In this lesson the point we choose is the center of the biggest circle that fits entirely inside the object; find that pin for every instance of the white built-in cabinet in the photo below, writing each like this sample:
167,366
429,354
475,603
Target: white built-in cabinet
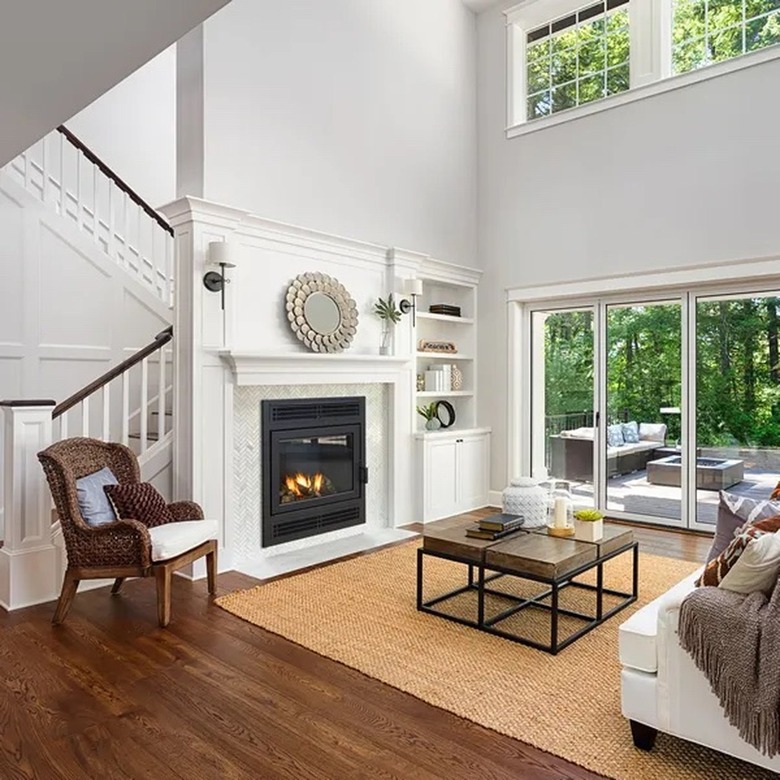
455,475
452,464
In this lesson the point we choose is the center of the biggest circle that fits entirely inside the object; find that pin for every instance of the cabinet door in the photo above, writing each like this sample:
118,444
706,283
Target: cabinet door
440,479
472,472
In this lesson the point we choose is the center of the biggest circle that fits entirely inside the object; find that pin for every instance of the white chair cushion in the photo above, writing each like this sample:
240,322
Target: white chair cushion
639,634
173,539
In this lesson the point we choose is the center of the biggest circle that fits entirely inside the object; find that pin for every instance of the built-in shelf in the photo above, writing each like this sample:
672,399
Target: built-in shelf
426,315
444,394
443,356
444,433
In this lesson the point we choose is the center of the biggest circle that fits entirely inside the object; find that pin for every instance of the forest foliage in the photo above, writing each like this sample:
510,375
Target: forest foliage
737,368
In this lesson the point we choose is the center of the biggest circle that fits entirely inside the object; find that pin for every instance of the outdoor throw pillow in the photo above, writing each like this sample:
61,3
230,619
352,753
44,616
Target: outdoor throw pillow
615,435
757,568
652,432
733,512
715,571
139,501
93,504
631,432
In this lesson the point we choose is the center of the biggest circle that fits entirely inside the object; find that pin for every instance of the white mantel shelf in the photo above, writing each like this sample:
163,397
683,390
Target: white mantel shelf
267,368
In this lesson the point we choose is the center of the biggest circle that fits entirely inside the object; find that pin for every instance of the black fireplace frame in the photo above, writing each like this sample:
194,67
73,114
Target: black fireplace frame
312,417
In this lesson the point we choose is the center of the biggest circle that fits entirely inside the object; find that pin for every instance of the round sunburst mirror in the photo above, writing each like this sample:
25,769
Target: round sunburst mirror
321,312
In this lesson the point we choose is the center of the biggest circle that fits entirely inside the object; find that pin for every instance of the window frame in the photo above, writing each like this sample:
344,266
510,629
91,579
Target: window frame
650,58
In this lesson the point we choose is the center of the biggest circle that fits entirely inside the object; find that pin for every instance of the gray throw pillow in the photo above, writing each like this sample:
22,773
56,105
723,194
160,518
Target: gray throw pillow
733,512
94,505
631,432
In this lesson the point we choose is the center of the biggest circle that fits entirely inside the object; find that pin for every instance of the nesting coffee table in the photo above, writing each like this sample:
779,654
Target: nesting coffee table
528,555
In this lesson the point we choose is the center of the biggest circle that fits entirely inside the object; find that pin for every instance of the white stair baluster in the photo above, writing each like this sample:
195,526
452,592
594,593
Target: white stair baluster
161,396
125,407
85,417
64,425
106,412
144,411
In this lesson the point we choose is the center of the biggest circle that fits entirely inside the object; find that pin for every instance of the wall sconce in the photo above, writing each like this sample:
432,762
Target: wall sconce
413,288
219,253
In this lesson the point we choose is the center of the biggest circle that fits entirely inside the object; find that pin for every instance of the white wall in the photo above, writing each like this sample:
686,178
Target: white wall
56,58
352,117
132,128
682,178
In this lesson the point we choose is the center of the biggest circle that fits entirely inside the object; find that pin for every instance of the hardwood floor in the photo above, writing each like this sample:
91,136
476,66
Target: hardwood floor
110,695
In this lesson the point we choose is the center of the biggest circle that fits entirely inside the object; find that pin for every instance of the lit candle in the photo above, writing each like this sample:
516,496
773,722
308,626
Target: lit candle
559,512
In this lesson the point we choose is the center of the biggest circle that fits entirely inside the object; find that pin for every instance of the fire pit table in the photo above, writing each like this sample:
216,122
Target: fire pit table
711,473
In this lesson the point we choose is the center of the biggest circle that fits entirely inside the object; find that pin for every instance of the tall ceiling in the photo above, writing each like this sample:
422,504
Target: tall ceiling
57,57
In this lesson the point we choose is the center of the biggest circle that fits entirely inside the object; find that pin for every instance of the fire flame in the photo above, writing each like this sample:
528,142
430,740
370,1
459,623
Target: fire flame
302,485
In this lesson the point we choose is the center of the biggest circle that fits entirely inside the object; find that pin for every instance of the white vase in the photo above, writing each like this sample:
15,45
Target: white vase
526,497
588,530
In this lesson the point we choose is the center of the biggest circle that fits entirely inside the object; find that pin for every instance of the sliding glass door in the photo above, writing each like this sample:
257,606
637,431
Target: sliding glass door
650,408
643,466
737,409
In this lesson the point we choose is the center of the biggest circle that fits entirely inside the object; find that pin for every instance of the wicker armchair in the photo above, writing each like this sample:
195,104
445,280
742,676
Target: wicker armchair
119,549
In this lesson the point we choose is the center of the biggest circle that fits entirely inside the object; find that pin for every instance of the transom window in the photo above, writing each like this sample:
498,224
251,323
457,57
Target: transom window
578,58
707,31
567,55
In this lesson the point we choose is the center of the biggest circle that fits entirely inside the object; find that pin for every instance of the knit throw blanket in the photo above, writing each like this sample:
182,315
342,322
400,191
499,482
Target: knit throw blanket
735,641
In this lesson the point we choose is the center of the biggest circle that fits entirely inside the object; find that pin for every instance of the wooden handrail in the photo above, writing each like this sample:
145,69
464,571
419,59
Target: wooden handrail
160,340
126,188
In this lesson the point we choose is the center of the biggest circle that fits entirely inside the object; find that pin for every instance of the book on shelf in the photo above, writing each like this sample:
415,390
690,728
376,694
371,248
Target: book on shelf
501,522
482,533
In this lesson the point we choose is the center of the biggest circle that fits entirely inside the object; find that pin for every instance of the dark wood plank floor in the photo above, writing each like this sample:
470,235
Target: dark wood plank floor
109,695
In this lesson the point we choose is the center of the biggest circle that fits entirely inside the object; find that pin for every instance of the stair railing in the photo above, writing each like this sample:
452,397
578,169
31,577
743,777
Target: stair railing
61,171
98,416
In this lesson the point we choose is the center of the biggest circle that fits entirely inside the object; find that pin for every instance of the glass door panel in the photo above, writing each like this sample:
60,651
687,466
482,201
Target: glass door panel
737,399
562,418
644,458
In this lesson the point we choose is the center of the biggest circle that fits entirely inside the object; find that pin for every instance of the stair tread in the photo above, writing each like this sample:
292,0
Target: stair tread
150,435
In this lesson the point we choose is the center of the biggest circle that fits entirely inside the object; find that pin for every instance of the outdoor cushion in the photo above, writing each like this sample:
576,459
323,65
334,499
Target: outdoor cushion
173,539
652,432
615,435
578,433
631,432
93,504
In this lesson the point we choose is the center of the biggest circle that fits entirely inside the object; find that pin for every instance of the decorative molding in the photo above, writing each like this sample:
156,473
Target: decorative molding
732,271
450,273
257,368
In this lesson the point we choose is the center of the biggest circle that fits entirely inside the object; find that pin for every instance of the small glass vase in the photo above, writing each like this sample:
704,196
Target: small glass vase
387,339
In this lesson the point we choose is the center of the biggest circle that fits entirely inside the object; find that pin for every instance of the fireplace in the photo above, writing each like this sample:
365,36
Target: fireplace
313,467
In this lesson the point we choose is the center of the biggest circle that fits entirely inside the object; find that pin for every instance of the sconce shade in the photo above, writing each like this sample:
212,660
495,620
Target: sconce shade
221,252
413,286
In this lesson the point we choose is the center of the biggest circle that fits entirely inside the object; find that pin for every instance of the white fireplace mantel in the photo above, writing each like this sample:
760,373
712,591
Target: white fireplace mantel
264,368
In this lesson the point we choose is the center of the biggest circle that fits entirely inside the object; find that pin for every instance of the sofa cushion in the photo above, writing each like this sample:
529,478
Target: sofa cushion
637,637
733,512
93,503
652,432
173,539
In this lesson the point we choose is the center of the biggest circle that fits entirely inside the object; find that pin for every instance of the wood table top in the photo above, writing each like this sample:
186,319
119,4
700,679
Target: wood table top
531,551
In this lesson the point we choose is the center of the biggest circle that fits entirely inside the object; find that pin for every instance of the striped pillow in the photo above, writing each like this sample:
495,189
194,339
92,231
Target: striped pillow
719,567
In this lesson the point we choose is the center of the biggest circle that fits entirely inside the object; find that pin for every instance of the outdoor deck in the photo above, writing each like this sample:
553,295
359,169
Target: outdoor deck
633,493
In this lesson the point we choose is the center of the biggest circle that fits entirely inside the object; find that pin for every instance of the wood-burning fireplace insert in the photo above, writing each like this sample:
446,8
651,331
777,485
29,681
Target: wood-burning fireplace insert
313,467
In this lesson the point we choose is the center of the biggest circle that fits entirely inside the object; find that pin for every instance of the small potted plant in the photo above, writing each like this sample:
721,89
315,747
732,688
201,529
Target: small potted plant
432,422
390,315
588,525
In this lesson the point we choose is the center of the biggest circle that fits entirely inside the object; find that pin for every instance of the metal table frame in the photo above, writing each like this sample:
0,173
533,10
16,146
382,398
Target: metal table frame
487,574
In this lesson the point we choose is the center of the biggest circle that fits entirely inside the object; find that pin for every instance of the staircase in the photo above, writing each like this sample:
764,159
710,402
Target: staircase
129,403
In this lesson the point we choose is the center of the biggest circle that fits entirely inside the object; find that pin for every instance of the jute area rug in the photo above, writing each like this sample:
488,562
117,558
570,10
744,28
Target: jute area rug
362,613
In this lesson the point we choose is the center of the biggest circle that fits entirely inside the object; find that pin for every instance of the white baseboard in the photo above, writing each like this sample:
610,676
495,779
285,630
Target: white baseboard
27,577
494,498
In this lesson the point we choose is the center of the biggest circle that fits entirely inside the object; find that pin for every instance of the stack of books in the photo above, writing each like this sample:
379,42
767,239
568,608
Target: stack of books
496,526
444,308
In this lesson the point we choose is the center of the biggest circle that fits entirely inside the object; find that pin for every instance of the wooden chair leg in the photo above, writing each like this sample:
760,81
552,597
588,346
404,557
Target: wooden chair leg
211,569
117,586
70,584
163,576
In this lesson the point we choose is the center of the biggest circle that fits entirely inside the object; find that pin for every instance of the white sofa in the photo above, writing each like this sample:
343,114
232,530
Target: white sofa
662,690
